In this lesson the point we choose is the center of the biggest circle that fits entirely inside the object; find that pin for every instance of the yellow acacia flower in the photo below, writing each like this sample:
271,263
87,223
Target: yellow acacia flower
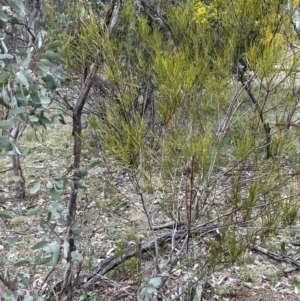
201,14
268,35
204,12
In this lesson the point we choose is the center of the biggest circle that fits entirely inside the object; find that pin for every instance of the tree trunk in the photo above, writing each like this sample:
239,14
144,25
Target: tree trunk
72,205
16,164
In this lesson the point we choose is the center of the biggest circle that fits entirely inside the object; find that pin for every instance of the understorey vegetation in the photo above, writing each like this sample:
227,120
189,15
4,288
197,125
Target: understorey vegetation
147,147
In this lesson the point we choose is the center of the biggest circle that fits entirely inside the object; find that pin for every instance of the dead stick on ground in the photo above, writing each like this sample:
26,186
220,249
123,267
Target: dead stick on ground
113,261
275,256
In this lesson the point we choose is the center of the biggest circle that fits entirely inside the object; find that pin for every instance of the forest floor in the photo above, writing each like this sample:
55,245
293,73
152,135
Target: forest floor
257,277
267,281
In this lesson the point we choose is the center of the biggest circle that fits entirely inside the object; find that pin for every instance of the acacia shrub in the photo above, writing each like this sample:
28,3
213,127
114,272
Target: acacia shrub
209,124
192,115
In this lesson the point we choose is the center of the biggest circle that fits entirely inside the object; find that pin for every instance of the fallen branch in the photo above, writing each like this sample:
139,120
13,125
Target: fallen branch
170,225
276,256
115,260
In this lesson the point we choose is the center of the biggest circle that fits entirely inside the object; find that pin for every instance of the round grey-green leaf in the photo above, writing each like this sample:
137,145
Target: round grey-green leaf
52,56
3,16
59,184
16,111
81,184
17,4
16,178
59,207
13,241
51,248
21,263
33,211
35,98
35,188
56,44
22,79
82,171
76,256
33,118
39,245
5,216
47,63
6,55
4,76
49,79
55,258
156,281
143,292
6,124
49,185
25,63
4,142
45,100
76,229
54,194
151,290
42,67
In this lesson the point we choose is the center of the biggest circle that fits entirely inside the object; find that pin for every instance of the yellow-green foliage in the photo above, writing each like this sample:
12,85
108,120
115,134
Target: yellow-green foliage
252,30
83,34
205,125
193,81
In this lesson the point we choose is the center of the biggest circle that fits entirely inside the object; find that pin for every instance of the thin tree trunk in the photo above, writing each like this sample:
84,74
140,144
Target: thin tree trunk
72,205
16,164
15,132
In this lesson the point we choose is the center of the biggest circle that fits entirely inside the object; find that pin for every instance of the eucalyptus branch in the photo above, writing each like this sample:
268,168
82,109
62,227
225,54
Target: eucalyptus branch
31,20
